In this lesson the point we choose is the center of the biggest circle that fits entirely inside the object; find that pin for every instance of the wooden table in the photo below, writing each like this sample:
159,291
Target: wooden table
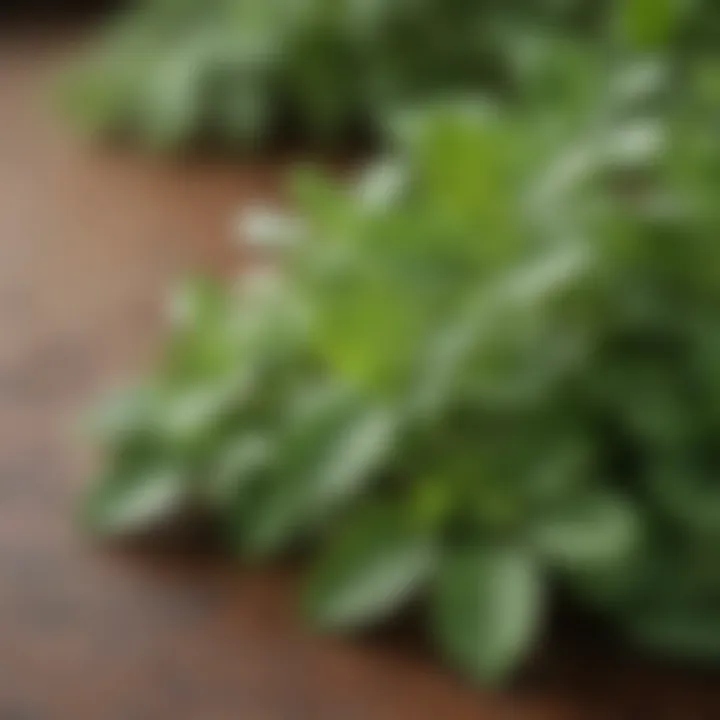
89,242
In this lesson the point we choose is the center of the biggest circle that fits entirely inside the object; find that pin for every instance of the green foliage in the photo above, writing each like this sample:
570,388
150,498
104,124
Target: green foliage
374,567
247,73
488,608
488,367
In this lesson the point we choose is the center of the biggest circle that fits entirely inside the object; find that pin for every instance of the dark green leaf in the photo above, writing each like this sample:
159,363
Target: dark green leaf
370,570
487,609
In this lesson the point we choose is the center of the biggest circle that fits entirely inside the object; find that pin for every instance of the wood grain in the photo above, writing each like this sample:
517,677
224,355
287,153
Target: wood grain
89,242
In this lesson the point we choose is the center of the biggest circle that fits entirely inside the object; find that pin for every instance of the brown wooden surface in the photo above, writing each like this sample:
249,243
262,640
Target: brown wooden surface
88,244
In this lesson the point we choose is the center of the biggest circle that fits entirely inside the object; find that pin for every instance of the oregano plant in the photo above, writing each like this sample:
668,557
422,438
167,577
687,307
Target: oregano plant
485,368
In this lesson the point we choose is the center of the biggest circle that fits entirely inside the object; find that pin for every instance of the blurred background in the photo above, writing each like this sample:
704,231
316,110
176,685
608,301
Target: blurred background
91,238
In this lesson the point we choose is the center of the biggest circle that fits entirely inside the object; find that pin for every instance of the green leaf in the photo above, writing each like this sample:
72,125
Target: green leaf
595,530
171,107
487,609
126,505
371,570
328,459
239,467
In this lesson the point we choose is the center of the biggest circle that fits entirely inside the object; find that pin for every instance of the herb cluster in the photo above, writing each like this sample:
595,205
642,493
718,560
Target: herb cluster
247,74
487,368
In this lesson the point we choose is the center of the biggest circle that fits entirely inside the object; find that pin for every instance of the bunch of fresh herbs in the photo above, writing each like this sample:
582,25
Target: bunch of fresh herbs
487,368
